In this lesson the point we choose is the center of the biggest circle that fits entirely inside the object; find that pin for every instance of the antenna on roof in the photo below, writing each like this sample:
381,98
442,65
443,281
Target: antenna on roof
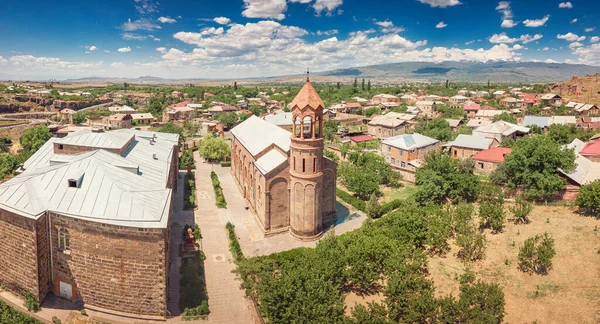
307,74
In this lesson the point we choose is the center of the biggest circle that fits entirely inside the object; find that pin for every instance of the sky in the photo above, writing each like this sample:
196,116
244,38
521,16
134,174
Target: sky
41,39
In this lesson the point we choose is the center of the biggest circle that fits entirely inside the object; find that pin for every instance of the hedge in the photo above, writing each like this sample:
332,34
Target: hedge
226,164
9,315
390,206
189,193
355,202
193,295
234,244
221,203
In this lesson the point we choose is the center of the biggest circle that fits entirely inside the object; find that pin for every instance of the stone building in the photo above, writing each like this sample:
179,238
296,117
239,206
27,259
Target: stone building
465,146
284,177
487,161
390,124
405,153
89,220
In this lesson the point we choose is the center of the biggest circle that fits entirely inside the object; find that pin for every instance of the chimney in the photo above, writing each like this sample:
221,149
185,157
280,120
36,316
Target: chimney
154,137
151,142
154,156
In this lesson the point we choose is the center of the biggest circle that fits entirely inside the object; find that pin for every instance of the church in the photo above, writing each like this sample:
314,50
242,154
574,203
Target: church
287,182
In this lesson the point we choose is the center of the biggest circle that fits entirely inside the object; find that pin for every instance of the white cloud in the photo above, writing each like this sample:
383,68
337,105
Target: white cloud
565,5
470,42
222,20
441,24
49,65
545,49
570,37
117,64
130,36
388,27
517,47
588,55
441,3
550,61
156,39
574,20
327,32
536,22
106,51
145,7
167,20
502,38
265,9
574,45
140,24
3,60
212,31
508,23
504,8
594,39
92,48
124,49
162,50
326,5
589,30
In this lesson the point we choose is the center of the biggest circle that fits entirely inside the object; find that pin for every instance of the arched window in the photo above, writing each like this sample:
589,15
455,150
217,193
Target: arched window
314,164
63,240
303,165
307,127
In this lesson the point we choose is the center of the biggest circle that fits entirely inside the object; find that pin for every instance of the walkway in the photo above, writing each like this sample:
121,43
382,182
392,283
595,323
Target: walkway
226,299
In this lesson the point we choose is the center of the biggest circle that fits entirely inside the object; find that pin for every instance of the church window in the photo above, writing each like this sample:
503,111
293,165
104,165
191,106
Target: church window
63,240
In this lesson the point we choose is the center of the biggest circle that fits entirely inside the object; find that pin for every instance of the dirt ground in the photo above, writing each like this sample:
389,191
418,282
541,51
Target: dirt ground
570,293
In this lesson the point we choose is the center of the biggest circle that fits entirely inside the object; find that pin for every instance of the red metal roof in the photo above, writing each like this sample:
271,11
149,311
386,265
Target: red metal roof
494,154
353,105
471,106
591,149
361,138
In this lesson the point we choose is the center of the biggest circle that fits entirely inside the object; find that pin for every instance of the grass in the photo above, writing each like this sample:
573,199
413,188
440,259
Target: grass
543,291
193,294
403,192
9,315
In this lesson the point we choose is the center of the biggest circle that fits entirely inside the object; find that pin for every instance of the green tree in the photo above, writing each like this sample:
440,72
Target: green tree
510,118
442,178
588,199
186,158
8,164
5,143
361,183
521,211
257,110
479,302
438,128
533,165
228,119
171,128
562,134
78,118
235,86
214,148
372,111
536,254
369,85
373,207
491,213
472,244
409,298
32,139
363,85
331,155
355,82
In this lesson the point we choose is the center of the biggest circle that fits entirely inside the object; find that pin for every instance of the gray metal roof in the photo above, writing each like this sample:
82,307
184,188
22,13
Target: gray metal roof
256,135
585,172
92,139
471,141
410,141
127,190
536,121
270,161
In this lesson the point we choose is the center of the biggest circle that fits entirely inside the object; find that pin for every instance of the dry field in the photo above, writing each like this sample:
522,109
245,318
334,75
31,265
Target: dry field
570,293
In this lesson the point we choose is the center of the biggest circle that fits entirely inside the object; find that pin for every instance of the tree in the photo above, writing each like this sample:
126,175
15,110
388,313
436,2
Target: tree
331,155
372,111
491,213
5,143
536,254
32,139
409,298
214,148
186,158
472,244
363,85
338,85
8,164
355,82
562,134
442,178
438,128
228,119
78,118
361,183
369,85
373,207
330,127
171,128
521,210
257,110
533,165
479,302
588,199
235,86
509,118
191,127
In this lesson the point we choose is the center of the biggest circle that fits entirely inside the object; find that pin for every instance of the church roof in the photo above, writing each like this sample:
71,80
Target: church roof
256,134
307,96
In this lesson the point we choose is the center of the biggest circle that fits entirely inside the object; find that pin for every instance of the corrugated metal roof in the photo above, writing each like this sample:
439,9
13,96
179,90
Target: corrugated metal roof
536,121
270,161
88,138
256,135
471,141
410,141
585,171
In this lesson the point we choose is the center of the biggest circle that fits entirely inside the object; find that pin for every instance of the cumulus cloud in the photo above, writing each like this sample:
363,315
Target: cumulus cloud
117,64
326,5
388,27
504,8
327,32
167,20
545,48
50,64
502,38
3,60
441,3
589,30
470,42
140,24
265,9
441,24
124,49
594,39
222,20
575,45
574,21
508,23
565,5
536,22
156,39
517,47
550,61
570,37
588,55
162,50
130,36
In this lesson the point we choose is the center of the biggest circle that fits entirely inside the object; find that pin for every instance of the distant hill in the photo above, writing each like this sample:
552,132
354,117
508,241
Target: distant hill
509,72
585,89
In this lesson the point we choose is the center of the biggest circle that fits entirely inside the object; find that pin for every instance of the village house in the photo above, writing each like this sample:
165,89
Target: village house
287,182
426,108
499,94
88,220
117,121
471,108
353,107
551,99
586,171
405,153
487,161
390,124
121,109
381,98
458,101
591,151
500,130
178,111
475,123
355,140
221,108
488,114
545,122
465,146
527,100
584,109
66,115
454,123
143,119
510,102
410,98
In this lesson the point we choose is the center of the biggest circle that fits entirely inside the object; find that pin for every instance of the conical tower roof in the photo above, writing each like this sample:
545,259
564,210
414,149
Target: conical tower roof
308,96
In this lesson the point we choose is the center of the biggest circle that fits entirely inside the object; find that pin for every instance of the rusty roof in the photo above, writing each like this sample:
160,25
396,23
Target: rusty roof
307,96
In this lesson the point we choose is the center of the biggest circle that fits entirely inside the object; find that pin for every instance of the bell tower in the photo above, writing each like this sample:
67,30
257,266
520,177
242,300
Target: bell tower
306,157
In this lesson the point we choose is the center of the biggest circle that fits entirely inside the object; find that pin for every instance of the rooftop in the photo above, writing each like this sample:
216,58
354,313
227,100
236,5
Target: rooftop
256,135
307,96
494,154
410,141
471,141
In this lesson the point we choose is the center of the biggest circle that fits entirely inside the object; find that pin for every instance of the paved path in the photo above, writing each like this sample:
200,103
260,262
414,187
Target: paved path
226,299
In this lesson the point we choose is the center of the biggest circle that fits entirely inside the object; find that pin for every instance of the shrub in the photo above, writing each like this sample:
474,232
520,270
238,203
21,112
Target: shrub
193,294
521,211
390,206
355,202
220,198
56,320
31,302
196,232
190,191
187,158
234,244
9,315
588,199
536,254
226,164
472,245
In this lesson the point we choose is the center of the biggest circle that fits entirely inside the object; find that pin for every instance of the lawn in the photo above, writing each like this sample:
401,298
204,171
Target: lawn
568,294
403,192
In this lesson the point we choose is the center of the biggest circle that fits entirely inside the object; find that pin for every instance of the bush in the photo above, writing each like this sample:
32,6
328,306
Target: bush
588,199
56,320
226,164
234,244
9,315
472,245
193,294
390,206
196,232
521,211
355,202
187,158
190,191
221,203
536,254
31,302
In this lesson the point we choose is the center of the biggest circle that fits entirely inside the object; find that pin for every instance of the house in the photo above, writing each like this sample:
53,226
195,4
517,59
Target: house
285,179
177,112
487,161
527,100
510,102
591,151
586,171
426,108
458,100
143,119
488,114
66,115
544,122
360,100
338,108
499,94
474,123
431,98
93,221
360,139
586,109
471,108
454,123
465,146
390,124
221,108
405,153
500,130
409,98
464,92
118,121
380,98
551,99
121,109
353,107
